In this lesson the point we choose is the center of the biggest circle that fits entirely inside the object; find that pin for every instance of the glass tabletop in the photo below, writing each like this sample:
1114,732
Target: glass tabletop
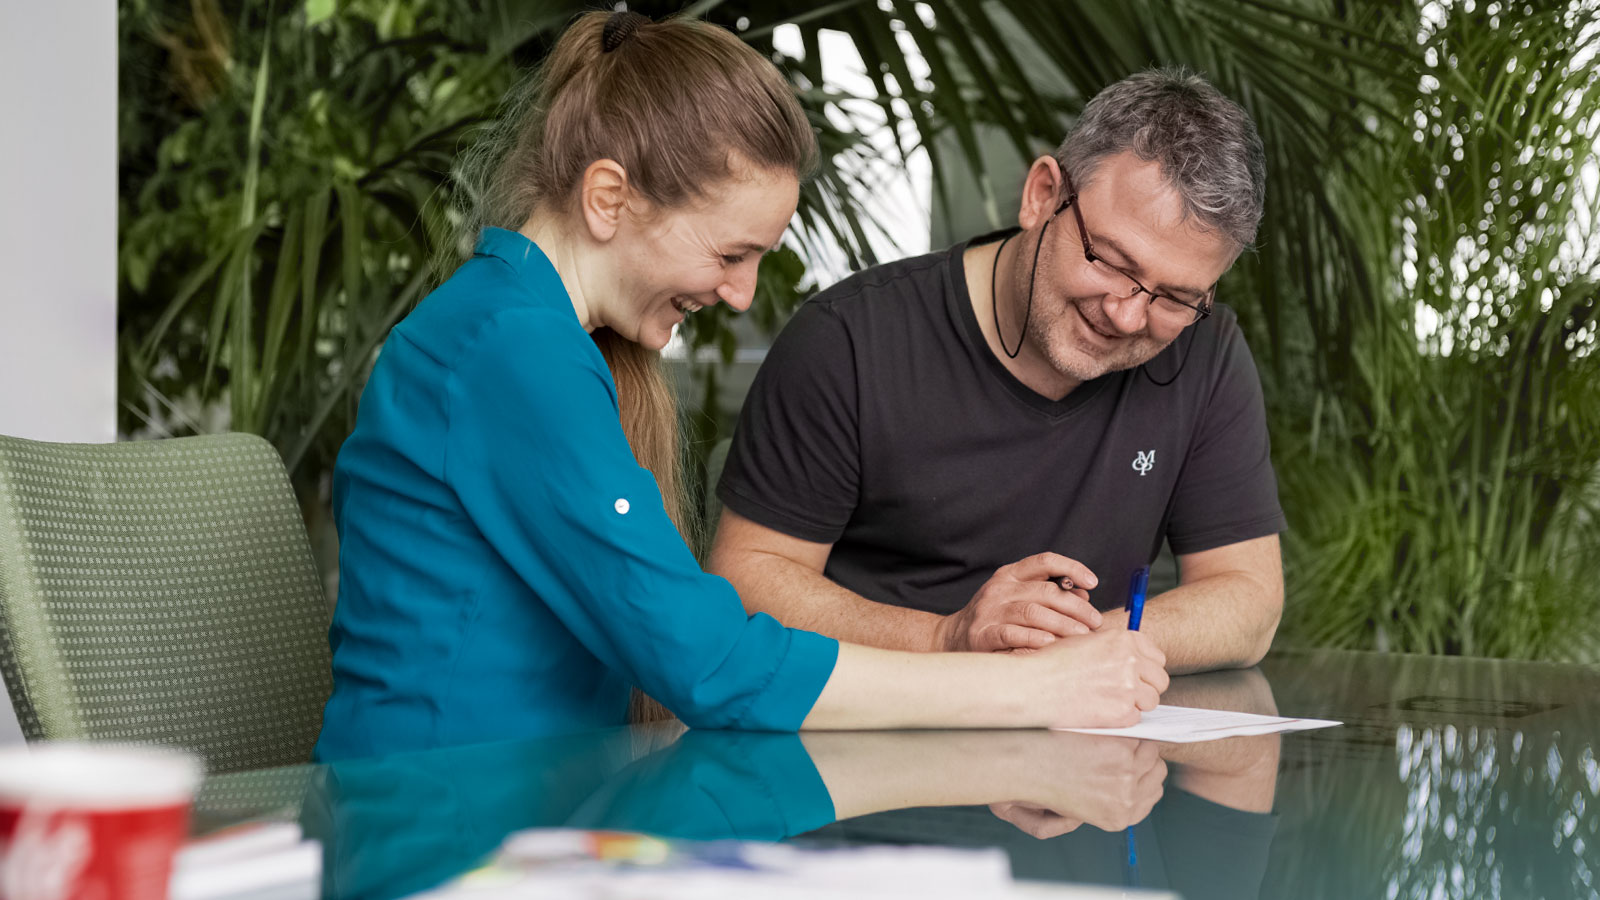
1451,777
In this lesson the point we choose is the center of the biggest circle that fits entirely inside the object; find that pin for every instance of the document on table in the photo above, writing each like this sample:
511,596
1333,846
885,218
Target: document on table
1187,725
592,865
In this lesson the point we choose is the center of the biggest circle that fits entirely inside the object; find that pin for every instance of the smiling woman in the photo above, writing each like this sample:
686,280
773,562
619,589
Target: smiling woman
508,568
625,114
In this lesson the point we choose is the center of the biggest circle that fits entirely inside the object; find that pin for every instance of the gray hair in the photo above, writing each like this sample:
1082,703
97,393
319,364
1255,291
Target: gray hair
1206,145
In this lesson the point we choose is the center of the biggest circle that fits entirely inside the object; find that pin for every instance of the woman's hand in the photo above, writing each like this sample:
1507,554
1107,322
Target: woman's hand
1108,782
1105,679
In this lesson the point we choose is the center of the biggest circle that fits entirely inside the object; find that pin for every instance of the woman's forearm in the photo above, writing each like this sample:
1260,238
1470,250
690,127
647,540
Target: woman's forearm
868,772
886,689
1101,679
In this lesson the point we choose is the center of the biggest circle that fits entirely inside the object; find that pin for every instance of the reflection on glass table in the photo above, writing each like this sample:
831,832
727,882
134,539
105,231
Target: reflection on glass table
1452,777
1197,814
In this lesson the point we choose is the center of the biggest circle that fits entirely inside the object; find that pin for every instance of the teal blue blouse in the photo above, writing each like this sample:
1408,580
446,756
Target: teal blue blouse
507,569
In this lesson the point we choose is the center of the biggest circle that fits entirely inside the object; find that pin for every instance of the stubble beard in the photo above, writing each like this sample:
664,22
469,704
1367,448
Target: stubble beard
1053,331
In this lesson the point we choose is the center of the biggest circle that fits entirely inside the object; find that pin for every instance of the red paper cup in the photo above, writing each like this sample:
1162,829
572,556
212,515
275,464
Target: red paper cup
92,822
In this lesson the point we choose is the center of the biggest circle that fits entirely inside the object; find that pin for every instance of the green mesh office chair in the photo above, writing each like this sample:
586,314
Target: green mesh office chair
161,592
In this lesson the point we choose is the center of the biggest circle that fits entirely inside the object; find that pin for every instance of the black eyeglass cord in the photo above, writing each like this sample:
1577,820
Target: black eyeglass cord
1175,375
994,304
994,295
994,300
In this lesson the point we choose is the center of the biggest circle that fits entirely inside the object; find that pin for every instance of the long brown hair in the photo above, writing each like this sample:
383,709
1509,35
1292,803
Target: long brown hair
677,103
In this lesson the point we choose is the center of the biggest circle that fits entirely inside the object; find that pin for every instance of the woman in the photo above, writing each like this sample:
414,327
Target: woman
508,565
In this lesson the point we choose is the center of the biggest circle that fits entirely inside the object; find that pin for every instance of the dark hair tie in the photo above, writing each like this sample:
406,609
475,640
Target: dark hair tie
620,27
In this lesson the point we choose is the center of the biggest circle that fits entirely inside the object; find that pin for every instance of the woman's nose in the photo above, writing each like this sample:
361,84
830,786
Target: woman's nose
740,288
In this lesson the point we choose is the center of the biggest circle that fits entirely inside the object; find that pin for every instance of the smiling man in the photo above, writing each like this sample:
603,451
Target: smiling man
975,449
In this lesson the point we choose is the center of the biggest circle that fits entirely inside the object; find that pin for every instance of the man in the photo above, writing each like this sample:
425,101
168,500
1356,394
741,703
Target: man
1069,394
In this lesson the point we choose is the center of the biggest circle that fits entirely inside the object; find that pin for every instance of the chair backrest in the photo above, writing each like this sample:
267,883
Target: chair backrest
161,592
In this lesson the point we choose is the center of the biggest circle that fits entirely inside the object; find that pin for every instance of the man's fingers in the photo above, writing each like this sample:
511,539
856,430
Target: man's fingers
1045,566
1073,603
1045,825
1036,822
1053,620
1022,637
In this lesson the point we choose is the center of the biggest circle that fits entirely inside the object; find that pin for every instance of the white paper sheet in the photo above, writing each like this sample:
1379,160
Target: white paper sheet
1187,725
260,860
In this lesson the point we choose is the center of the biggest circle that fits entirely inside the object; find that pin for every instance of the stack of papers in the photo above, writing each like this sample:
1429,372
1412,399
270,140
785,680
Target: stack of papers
568,864
1187,725
254,861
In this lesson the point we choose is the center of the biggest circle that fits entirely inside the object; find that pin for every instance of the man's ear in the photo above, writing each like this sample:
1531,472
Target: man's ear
1041,192
603,198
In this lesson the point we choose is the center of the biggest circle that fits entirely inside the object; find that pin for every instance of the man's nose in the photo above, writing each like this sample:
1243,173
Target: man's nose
1128,313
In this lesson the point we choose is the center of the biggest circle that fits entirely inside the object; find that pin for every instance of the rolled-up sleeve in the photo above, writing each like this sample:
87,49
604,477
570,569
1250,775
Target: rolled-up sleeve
537,457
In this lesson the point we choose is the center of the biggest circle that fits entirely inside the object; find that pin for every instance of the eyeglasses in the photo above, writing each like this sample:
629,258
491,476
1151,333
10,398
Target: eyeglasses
1165,305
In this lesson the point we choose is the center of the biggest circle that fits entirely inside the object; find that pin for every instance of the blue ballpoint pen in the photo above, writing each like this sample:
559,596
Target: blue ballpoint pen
1136,588
1137,585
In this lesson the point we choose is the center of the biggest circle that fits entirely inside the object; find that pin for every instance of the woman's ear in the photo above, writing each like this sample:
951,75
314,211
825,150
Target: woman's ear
1041,192
603,198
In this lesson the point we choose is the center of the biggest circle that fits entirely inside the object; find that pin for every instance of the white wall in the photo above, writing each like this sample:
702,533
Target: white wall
58,226
58,219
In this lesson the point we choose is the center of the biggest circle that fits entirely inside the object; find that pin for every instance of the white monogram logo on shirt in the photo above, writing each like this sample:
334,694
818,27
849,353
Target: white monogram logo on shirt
1144,461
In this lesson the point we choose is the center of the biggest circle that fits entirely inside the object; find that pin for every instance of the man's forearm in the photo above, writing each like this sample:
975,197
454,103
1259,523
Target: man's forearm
801,597
1238,690
1225,621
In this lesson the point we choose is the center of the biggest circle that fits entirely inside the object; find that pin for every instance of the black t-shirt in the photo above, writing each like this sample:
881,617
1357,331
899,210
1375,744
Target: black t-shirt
882,423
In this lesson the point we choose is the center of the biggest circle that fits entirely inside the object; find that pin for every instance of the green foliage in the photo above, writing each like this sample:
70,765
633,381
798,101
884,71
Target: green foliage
296,201
289,216
1422,301
1443,480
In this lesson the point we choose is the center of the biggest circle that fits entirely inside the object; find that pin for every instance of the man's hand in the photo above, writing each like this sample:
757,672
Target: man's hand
1023,606
1036,821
